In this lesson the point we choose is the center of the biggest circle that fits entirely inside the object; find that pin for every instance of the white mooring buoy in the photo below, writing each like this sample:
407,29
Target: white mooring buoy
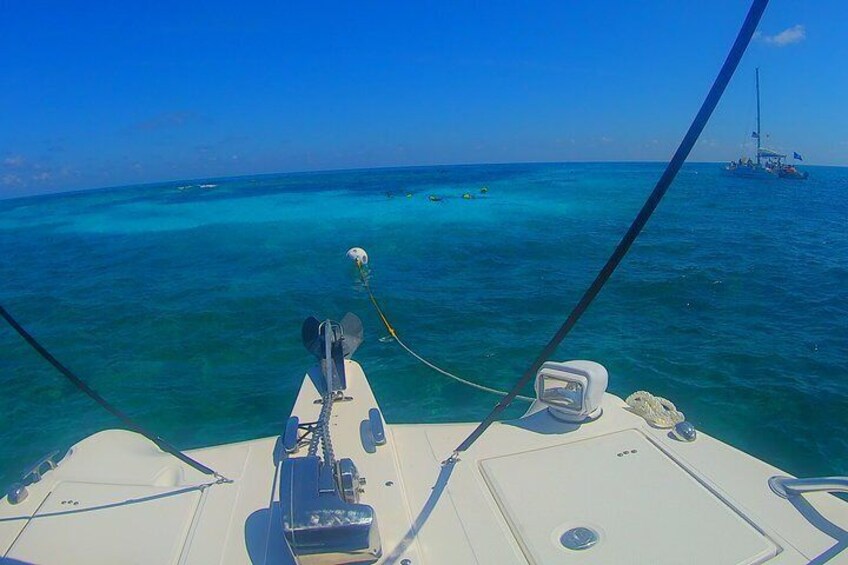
357,255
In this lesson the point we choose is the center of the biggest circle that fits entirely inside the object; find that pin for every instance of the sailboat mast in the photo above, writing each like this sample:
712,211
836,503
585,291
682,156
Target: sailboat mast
758,115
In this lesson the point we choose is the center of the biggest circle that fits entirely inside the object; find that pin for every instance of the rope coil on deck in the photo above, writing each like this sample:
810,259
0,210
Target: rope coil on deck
659,412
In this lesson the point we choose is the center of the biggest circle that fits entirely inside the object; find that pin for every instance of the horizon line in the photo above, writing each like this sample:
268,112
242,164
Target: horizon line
356,169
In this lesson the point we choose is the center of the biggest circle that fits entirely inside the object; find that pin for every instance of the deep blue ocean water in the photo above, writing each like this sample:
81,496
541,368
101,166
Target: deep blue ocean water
184,306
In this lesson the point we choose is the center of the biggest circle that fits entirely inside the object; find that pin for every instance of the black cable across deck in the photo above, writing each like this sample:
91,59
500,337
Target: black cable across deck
106,405
742,40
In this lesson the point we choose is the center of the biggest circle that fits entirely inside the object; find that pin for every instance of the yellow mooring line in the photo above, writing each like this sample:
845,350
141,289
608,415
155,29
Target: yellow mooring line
400,342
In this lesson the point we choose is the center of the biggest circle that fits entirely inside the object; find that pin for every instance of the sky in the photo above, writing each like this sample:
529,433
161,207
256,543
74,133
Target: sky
106,94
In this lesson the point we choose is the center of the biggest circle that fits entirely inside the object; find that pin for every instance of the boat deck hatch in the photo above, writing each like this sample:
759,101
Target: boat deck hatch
617,498
103,523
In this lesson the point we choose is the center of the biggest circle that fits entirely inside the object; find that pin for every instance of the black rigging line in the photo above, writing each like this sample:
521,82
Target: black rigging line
94,395
712,99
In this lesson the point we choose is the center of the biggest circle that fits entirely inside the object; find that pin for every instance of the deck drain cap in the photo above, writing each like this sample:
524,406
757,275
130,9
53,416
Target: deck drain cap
579,538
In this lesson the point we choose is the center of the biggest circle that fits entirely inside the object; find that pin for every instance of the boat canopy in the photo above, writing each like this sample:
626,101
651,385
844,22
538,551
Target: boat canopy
763,152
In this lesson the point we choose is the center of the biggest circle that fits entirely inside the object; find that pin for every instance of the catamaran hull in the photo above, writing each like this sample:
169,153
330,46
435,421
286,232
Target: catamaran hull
751,173
797,175
531,490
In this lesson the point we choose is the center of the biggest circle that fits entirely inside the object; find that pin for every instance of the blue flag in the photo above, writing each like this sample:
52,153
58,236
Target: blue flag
797,156
754,134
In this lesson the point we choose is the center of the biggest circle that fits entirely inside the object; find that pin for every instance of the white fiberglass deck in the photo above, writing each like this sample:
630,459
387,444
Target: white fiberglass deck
116,498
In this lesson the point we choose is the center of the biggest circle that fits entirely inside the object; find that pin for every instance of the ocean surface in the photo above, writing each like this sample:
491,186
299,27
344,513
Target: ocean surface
184,306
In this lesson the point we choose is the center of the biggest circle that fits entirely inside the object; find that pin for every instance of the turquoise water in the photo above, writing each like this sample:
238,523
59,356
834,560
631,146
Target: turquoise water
184,307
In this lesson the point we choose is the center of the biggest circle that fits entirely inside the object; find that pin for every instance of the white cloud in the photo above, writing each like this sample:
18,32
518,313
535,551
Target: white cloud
11,180
14,161
788,36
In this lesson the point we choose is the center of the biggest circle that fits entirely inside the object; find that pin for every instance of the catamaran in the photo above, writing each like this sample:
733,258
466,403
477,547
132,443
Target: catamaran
769,164
582,477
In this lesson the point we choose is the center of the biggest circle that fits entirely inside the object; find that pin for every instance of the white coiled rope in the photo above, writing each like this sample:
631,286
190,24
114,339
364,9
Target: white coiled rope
657,411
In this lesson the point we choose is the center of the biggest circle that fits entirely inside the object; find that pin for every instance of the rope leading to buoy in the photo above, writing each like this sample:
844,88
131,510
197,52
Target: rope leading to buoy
392,332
